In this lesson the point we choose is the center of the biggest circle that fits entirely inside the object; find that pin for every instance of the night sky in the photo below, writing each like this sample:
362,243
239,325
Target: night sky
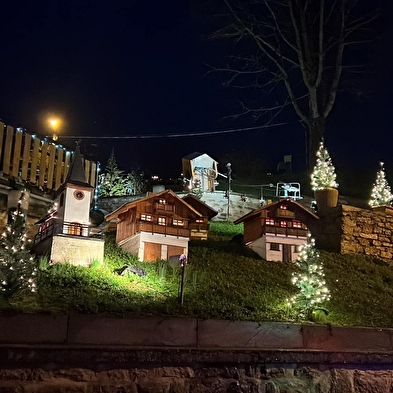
138,68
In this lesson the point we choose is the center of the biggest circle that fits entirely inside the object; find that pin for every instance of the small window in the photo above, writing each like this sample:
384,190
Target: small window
283,224
298,248
179,223
146,217
199,221
162,201
284,207
296,224
161,221
75,229
269,221
275,246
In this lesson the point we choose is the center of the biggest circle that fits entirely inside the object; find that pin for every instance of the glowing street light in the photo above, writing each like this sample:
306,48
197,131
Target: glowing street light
54,125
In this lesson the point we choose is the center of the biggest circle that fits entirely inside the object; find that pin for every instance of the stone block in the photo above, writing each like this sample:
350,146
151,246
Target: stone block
33,329
327,338
153,331
227,334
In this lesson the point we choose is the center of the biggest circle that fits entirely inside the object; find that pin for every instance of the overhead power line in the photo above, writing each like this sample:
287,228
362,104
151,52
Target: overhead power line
175,135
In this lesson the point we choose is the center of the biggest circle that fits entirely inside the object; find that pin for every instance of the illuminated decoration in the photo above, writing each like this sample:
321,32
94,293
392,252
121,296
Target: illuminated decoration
196,189
54,124
310,280
324,173
97,189
17,265
381,194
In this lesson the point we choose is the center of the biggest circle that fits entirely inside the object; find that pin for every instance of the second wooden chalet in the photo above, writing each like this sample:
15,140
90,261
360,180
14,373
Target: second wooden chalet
276,231
156,227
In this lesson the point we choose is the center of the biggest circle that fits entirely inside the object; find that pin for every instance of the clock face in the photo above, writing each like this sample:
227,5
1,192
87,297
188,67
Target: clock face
78,194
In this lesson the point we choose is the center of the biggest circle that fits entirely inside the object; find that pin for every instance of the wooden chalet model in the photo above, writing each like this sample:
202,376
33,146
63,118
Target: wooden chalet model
276,231
158,226
65,234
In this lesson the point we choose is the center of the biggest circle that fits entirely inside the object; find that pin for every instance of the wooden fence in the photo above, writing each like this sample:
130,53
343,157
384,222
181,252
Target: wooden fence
36,162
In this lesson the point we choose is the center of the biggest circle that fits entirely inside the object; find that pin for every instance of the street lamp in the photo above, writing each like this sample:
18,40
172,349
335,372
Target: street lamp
54,124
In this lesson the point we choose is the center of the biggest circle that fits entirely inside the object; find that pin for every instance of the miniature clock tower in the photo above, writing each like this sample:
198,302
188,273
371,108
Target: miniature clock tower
64,234
74,198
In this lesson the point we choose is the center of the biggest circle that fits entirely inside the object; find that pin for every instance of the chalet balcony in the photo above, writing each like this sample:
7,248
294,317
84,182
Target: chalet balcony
178,231
278,231
56,227
199,227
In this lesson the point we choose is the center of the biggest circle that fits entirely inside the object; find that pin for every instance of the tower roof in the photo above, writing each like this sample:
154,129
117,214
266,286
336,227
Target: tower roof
76,174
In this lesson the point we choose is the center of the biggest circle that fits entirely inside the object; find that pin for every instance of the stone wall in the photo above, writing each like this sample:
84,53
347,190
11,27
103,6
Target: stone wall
216,200
92,354
198,378
347,229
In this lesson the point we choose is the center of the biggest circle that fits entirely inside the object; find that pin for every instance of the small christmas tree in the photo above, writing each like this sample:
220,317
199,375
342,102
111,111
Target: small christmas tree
112,181
310,280
381,194
17,265
324,175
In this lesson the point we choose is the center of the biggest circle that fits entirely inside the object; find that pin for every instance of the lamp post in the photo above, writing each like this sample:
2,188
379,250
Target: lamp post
183,264
54,124
229,173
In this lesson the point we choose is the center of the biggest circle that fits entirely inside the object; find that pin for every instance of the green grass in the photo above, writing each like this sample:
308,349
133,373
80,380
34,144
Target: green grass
224,280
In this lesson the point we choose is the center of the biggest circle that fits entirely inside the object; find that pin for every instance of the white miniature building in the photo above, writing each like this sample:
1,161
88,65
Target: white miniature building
64,234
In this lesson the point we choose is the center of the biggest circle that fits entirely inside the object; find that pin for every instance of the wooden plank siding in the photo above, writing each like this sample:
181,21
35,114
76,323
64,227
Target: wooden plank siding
35,162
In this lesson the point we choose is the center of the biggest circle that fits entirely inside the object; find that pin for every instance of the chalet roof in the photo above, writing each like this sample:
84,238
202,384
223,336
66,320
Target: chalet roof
290,202
196,202
129,205
196,154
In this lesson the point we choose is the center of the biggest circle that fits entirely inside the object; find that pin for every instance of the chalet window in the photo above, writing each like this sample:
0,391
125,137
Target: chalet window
296,224
161,204
269,221
283,224
284,207
146,217
161,221
179,223
199,221
75,229
275,246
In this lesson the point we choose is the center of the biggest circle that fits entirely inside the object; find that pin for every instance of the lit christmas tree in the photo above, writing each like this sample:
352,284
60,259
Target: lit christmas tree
17,265
310,280
381,194
324,175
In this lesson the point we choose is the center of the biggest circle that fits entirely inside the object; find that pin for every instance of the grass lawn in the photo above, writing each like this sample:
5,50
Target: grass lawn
224,280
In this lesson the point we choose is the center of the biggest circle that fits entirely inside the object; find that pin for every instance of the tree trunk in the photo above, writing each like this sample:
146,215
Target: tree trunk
316,131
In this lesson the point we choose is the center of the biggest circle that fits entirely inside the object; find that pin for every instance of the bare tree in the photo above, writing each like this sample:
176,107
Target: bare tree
296,44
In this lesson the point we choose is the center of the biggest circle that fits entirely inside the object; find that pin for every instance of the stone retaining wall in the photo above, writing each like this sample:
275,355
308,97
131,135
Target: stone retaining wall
90,354
347,229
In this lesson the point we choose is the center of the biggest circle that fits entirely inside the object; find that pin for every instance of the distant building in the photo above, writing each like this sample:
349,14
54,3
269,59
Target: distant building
200,170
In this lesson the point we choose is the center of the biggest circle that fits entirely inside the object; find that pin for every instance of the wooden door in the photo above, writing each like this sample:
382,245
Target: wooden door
287,253
174,250
152,252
